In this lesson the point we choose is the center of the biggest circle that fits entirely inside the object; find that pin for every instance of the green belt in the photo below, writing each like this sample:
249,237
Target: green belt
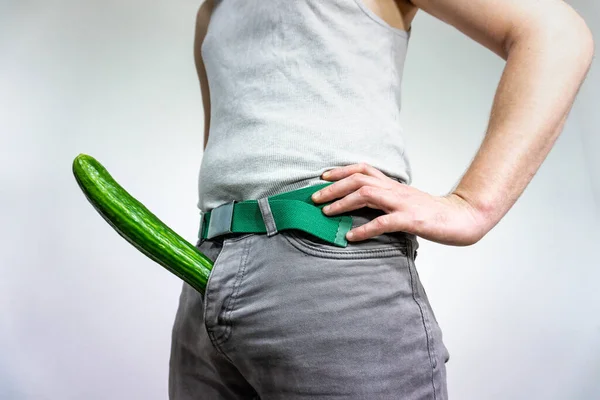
290,210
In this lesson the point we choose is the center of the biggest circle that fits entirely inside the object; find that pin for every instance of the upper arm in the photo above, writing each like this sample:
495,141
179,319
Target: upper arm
496,24
202,20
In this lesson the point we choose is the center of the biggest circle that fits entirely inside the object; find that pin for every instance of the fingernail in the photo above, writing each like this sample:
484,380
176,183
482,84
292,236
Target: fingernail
316,195
326,208
326,174
350,235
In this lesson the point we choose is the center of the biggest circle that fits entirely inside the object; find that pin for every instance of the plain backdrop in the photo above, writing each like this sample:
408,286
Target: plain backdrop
84,315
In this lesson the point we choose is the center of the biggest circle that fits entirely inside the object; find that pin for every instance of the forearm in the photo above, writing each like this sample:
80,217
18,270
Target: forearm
543,73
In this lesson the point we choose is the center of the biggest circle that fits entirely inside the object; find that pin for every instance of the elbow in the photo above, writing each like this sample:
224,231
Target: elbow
579,39
589,45
567,31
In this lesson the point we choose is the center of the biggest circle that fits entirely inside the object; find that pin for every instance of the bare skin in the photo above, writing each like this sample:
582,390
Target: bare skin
548,49
397,13
202,20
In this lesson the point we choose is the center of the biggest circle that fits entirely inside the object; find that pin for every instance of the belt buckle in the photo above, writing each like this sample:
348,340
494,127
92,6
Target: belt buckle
221,218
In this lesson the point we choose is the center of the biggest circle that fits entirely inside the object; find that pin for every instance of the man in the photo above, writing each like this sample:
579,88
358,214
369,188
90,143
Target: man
306,301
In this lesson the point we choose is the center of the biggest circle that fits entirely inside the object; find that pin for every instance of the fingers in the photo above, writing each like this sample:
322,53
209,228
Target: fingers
375,227
366,196
394,222
344,187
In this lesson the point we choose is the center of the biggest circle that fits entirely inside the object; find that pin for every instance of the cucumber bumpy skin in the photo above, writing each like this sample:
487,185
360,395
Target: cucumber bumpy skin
139,226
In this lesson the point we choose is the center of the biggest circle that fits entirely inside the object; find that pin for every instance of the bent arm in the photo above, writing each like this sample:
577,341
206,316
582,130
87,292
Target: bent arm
549,50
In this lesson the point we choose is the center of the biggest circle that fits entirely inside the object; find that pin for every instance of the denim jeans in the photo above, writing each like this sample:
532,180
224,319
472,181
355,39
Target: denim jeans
294,317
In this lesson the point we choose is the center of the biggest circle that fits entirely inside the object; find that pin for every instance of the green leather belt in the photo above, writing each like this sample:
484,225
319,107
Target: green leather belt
289,210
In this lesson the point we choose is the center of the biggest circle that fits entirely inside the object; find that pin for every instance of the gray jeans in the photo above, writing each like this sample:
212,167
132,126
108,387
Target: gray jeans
291,316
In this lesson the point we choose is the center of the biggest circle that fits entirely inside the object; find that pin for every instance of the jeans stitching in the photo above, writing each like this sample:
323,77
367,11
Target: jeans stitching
233,298
386,251
425,320
206,300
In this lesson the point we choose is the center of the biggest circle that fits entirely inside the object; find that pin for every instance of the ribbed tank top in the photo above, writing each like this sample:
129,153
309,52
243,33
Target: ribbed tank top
298,87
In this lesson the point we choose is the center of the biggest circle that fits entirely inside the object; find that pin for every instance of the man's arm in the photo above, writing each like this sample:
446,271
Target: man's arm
202,20
549,50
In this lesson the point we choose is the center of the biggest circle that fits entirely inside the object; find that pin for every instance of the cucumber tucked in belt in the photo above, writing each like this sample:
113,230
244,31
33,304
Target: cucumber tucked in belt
139,226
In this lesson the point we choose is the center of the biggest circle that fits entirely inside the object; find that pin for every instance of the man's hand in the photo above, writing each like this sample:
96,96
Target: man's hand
449,219
548,49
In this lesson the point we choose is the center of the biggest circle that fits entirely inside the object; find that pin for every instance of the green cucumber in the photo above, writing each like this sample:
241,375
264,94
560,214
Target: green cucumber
139,226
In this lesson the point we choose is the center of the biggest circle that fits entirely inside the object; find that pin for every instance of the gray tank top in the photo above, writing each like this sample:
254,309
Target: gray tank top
296,88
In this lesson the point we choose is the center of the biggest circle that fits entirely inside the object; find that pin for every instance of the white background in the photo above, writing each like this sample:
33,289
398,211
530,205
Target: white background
84,315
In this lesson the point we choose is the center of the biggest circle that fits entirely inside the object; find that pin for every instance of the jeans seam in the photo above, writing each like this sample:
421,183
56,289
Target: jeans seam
217,345
220,350
206,300
425,320
233,298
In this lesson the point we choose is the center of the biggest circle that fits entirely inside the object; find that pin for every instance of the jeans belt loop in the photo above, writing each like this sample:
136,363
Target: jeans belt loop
267,214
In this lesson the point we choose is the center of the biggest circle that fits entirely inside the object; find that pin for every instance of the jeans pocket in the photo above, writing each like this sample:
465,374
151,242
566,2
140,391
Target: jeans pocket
381,246
237,236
